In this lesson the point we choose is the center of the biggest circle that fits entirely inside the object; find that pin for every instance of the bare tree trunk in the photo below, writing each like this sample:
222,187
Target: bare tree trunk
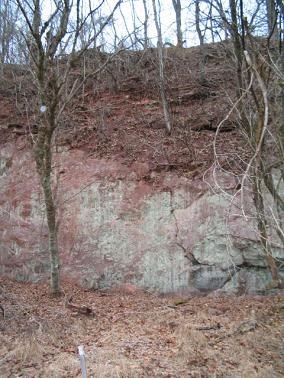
258,140
177,8
8,20
126,28
43,157
237,44
201,41
133,14
226,25
281,84
52,236
271,19
145,25
262,225
161,71
49,101
211,23
44,42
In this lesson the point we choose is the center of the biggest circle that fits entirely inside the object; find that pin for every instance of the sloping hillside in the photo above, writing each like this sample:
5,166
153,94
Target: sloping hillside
117,114
133,203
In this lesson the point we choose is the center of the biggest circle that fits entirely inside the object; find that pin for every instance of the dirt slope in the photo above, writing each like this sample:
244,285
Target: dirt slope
118,115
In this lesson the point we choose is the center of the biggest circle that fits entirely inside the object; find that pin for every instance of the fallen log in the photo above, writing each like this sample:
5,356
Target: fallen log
84,310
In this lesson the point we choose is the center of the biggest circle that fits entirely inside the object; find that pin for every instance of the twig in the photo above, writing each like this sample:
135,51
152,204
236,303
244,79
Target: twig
2,311
243,327
208,328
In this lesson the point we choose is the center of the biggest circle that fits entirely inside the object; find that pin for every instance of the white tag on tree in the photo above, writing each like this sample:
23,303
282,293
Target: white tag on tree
42,108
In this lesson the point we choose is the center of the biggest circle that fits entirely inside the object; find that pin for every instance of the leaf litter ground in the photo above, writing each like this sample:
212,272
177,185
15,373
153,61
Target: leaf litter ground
139,334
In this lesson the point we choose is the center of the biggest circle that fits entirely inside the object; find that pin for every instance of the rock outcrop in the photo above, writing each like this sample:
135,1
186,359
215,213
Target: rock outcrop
117,225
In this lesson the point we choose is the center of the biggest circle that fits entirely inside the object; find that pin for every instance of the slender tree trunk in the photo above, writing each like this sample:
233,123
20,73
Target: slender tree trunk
145,25
211,23
161,72
225,23
177,8
281,84
271,19
52,234
126,28
258,135
237,45
43,158
133,14
201,41
262,225
44,42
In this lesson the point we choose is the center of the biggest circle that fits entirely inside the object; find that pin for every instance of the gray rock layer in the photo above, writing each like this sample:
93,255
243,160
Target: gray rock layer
115,227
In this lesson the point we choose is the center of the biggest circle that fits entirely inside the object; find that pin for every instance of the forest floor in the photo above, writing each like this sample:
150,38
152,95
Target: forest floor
130,333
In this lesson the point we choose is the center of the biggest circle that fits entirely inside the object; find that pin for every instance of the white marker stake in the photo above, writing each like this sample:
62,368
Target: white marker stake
82,361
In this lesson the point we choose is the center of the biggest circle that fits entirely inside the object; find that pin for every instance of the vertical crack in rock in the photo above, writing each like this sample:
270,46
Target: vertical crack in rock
187,252
195,265
231,275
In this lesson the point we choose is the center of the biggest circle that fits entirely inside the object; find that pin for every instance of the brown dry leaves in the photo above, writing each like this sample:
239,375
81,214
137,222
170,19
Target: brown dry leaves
138,335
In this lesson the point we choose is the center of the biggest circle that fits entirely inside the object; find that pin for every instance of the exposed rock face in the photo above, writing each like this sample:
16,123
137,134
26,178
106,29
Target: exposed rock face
117,226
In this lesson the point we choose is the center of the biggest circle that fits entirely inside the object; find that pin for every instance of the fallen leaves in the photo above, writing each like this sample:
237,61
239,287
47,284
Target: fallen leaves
137,335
